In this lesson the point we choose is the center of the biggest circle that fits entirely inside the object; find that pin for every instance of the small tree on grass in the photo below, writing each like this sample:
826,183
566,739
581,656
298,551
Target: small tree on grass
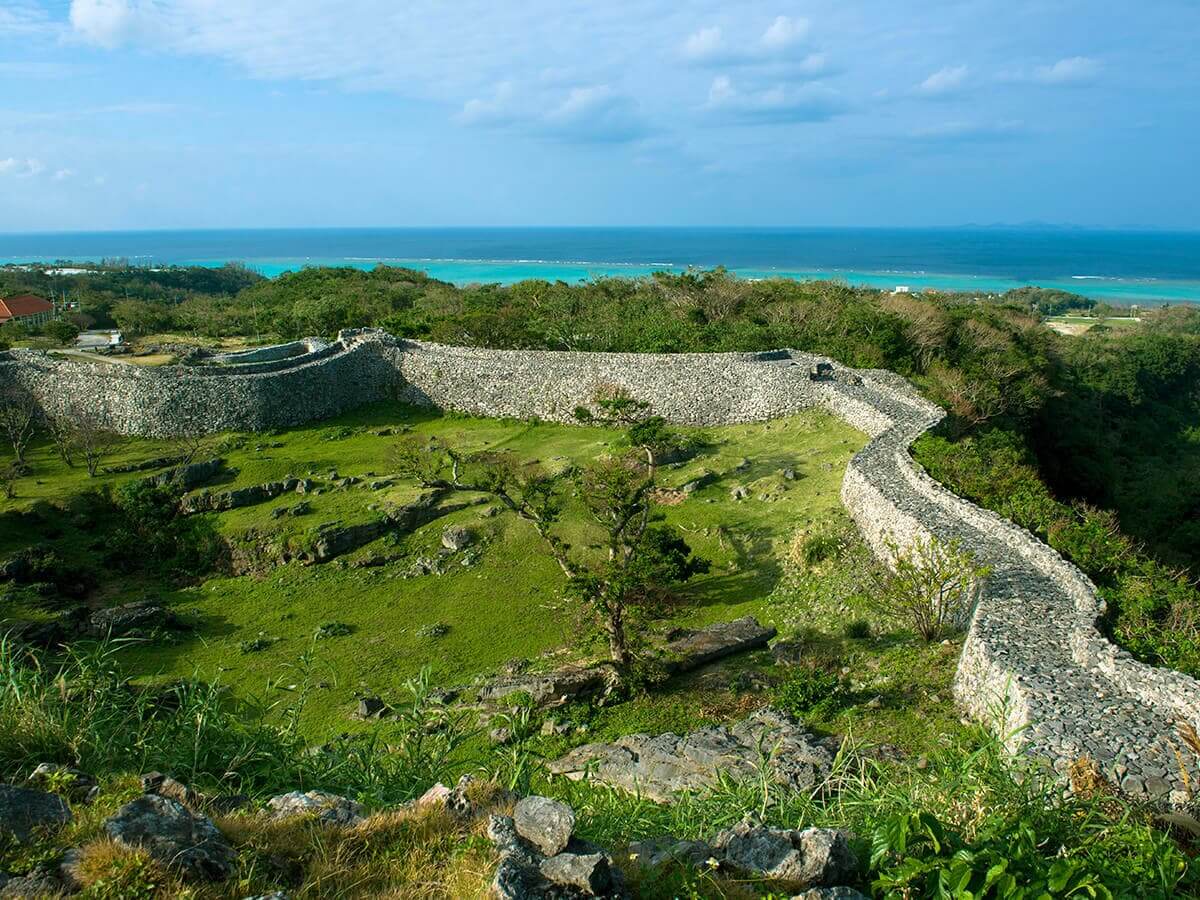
642,561
18,421
93,441
62,432
62,331
647,432
932,586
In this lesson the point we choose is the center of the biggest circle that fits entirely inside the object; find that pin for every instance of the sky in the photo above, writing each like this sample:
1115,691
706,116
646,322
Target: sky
132,114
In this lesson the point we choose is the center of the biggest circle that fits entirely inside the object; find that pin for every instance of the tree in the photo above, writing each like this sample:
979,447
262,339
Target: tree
62,331
647,432
642,561
932,586
93,440
18,420
62,433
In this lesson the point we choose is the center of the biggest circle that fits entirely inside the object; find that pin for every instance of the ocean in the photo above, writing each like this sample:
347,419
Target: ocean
1121,266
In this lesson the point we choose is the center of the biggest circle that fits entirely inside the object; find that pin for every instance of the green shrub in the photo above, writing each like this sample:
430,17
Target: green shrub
811,692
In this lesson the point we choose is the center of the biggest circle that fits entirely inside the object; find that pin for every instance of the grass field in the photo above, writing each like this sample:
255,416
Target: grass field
506,602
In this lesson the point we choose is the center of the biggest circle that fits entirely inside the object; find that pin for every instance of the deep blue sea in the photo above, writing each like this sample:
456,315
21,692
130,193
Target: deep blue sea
1123,266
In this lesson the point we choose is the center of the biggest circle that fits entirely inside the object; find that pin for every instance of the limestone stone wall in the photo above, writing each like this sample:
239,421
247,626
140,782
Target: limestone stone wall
1033,664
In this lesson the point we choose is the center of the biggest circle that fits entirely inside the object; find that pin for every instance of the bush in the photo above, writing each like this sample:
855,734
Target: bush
811,692
932,587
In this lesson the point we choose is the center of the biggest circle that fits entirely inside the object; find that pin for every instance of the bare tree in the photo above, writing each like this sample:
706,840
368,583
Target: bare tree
93,441
62,432
189,446
18,420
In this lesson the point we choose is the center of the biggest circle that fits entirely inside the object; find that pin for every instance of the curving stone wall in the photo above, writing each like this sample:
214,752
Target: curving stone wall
1033,664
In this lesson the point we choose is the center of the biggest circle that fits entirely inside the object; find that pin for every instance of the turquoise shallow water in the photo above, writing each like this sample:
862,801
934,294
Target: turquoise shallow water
1130,267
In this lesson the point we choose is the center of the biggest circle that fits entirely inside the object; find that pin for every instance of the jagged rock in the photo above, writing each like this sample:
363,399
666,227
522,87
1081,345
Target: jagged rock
789,474
812,857
189,476
77,784
545,823
174,835
830,893
166,786
453,800
36,884
590,872
248,496
372,708
661,766
739,492
328,808
117,621
24,809
656,851
502,832
552,688
456,537
698,648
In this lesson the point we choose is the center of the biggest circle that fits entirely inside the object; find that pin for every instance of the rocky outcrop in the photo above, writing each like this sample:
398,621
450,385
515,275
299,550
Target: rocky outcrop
541,860
130,618
25,810
554,688
329,809
190,476
662,766
798,859
706,645
175,836
218,501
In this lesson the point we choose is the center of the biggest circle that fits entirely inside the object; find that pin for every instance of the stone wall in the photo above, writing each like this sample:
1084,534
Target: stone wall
1033,664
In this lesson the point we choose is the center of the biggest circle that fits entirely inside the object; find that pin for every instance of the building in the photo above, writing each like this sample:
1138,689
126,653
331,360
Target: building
25,309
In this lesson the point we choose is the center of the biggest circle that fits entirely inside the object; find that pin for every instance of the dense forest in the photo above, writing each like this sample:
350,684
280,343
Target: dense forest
1090,441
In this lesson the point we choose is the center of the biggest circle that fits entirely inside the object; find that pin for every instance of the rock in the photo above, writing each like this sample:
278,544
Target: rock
174,836
661,766
739,492
372,708
554,688
189,476
166,786
657,851
502,832
514,881
788,652
812,857
830,893
589,872
698,648
456,537
327,808
77,785
789,474
36,884
453,800
704,479
128,618
500,735
545,823
22,810
210,501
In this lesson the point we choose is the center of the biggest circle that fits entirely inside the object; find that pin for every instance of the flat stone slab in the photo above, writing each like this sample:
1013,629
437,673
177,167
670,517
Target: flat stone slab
715,642
662,766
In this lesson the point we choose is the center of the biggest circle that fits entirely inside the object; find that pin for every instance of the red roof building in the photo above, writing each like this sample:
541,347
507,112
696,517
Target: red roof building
25,308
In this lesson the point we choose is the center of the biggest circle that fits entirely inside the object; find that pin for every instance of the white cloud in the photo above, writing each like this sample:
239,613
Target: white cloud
21,168
588,113
1073,70
780,103
710,45
63,174
944,81
109,22
23,19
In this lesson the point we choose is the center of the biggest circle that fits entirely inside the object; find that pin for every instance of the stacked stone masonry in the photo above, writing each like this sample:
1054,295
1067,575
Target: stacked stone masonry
1033,666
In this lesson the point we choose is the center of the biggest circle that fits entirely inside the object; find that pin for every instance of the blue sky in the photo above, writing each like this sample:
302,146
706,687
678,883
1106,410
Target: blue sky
120,114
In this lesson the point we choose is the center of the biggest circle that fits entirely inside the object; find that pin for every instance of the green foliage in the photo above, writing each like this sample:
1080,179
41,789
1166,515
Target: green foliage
61,331
150,531
811,692
931,587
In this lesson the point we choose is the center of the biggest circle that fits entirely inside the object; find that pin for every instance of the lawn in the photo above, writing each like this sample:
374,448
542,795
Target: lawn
499,600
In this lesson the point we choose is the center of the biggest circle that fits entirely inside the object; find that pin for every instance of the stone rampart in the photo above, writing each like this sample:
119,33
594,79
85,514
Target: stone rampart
1033,665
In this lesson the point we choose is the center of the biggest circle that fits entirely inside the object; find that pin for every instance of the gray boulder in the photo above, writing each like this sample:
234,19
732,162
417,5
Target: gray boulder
812,857
590,872
36,884
661,766
175,836
128,618
545,823
502,832
456,537
698,648
330,809
166,786
22,810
